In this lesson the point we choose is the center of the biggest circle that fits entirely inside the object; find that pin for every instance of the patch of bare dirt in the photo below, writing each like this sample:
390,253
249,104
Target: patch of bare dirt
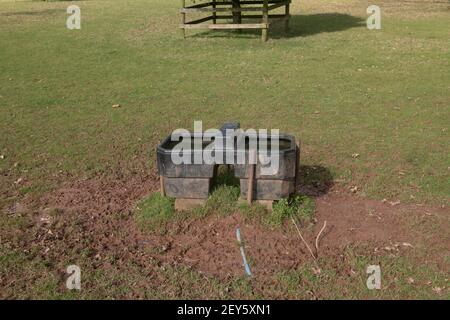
100,196
93,218
210,245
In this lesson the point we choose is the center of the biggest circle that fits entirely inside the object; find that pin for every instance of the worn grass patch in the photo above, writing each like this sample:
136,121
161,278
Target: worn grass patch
153,213
299,207
222,201
346,277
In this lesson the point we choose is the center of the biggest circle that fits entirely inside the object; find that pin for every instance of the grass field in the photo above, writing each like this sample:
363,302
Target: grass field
339,88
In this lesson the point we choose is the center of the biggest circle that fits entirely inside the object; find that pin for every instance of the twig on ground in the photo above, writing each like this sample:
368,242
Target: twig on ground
318,237
301,237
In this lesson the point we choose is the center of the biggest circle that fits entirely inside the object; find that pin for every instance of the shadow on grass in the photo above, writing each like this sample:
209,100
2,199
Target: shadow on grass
300,26
224,176
314,181
31,13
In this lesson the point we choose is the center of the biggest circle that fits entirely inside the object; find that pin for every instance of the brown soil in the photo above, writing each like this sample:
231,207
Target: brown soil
94,217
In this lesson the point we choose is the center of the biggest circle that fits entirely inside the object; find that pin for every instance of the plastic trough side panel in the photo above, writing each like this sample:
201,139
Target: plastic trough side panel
187,188
286,168
286,162
268,189
167,168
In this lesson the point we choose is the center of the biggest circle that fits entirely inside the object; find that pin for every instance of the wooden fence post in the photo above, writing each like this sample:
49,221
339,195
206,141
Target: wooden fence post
236,4
265,21
214,13
251,175
287,18
162,187
183,17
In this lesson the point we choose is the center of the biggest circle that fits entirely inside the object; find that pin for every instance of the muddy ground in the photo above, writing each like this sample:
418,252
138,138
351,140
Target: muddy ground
93,218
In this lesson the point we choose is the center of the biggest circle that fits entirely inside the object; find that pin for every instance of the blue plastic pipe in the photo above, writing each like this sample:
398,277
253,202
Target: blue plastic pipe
246,266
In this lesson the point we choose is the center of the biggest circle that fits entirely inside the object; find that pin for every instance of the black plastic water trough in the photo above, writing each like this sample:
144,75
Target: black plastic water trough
189,181
193,181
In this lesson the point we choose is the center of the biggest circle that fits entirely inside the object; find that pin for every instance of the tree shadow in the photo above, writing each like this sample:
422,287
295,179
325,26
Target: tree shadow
31,13
308,25
314,181
300,26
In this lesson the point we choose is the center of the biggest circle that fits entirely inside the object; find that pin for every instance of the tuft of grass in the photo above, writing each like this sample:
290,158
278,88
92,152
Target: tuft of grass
224,196
223,201
299,207
254,212
153,213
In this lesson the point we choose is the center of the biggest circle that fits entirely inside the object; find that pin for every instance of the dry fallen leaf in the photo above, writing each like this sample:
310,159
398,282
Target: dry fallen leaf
45,219
437,290
407,244
316,271
394,203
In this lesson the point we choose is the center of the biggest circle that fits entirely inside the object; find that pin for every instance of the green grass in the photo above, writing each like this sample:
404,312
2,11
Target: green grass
346,278
298,207
339,88
327,279
223,201
154,212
